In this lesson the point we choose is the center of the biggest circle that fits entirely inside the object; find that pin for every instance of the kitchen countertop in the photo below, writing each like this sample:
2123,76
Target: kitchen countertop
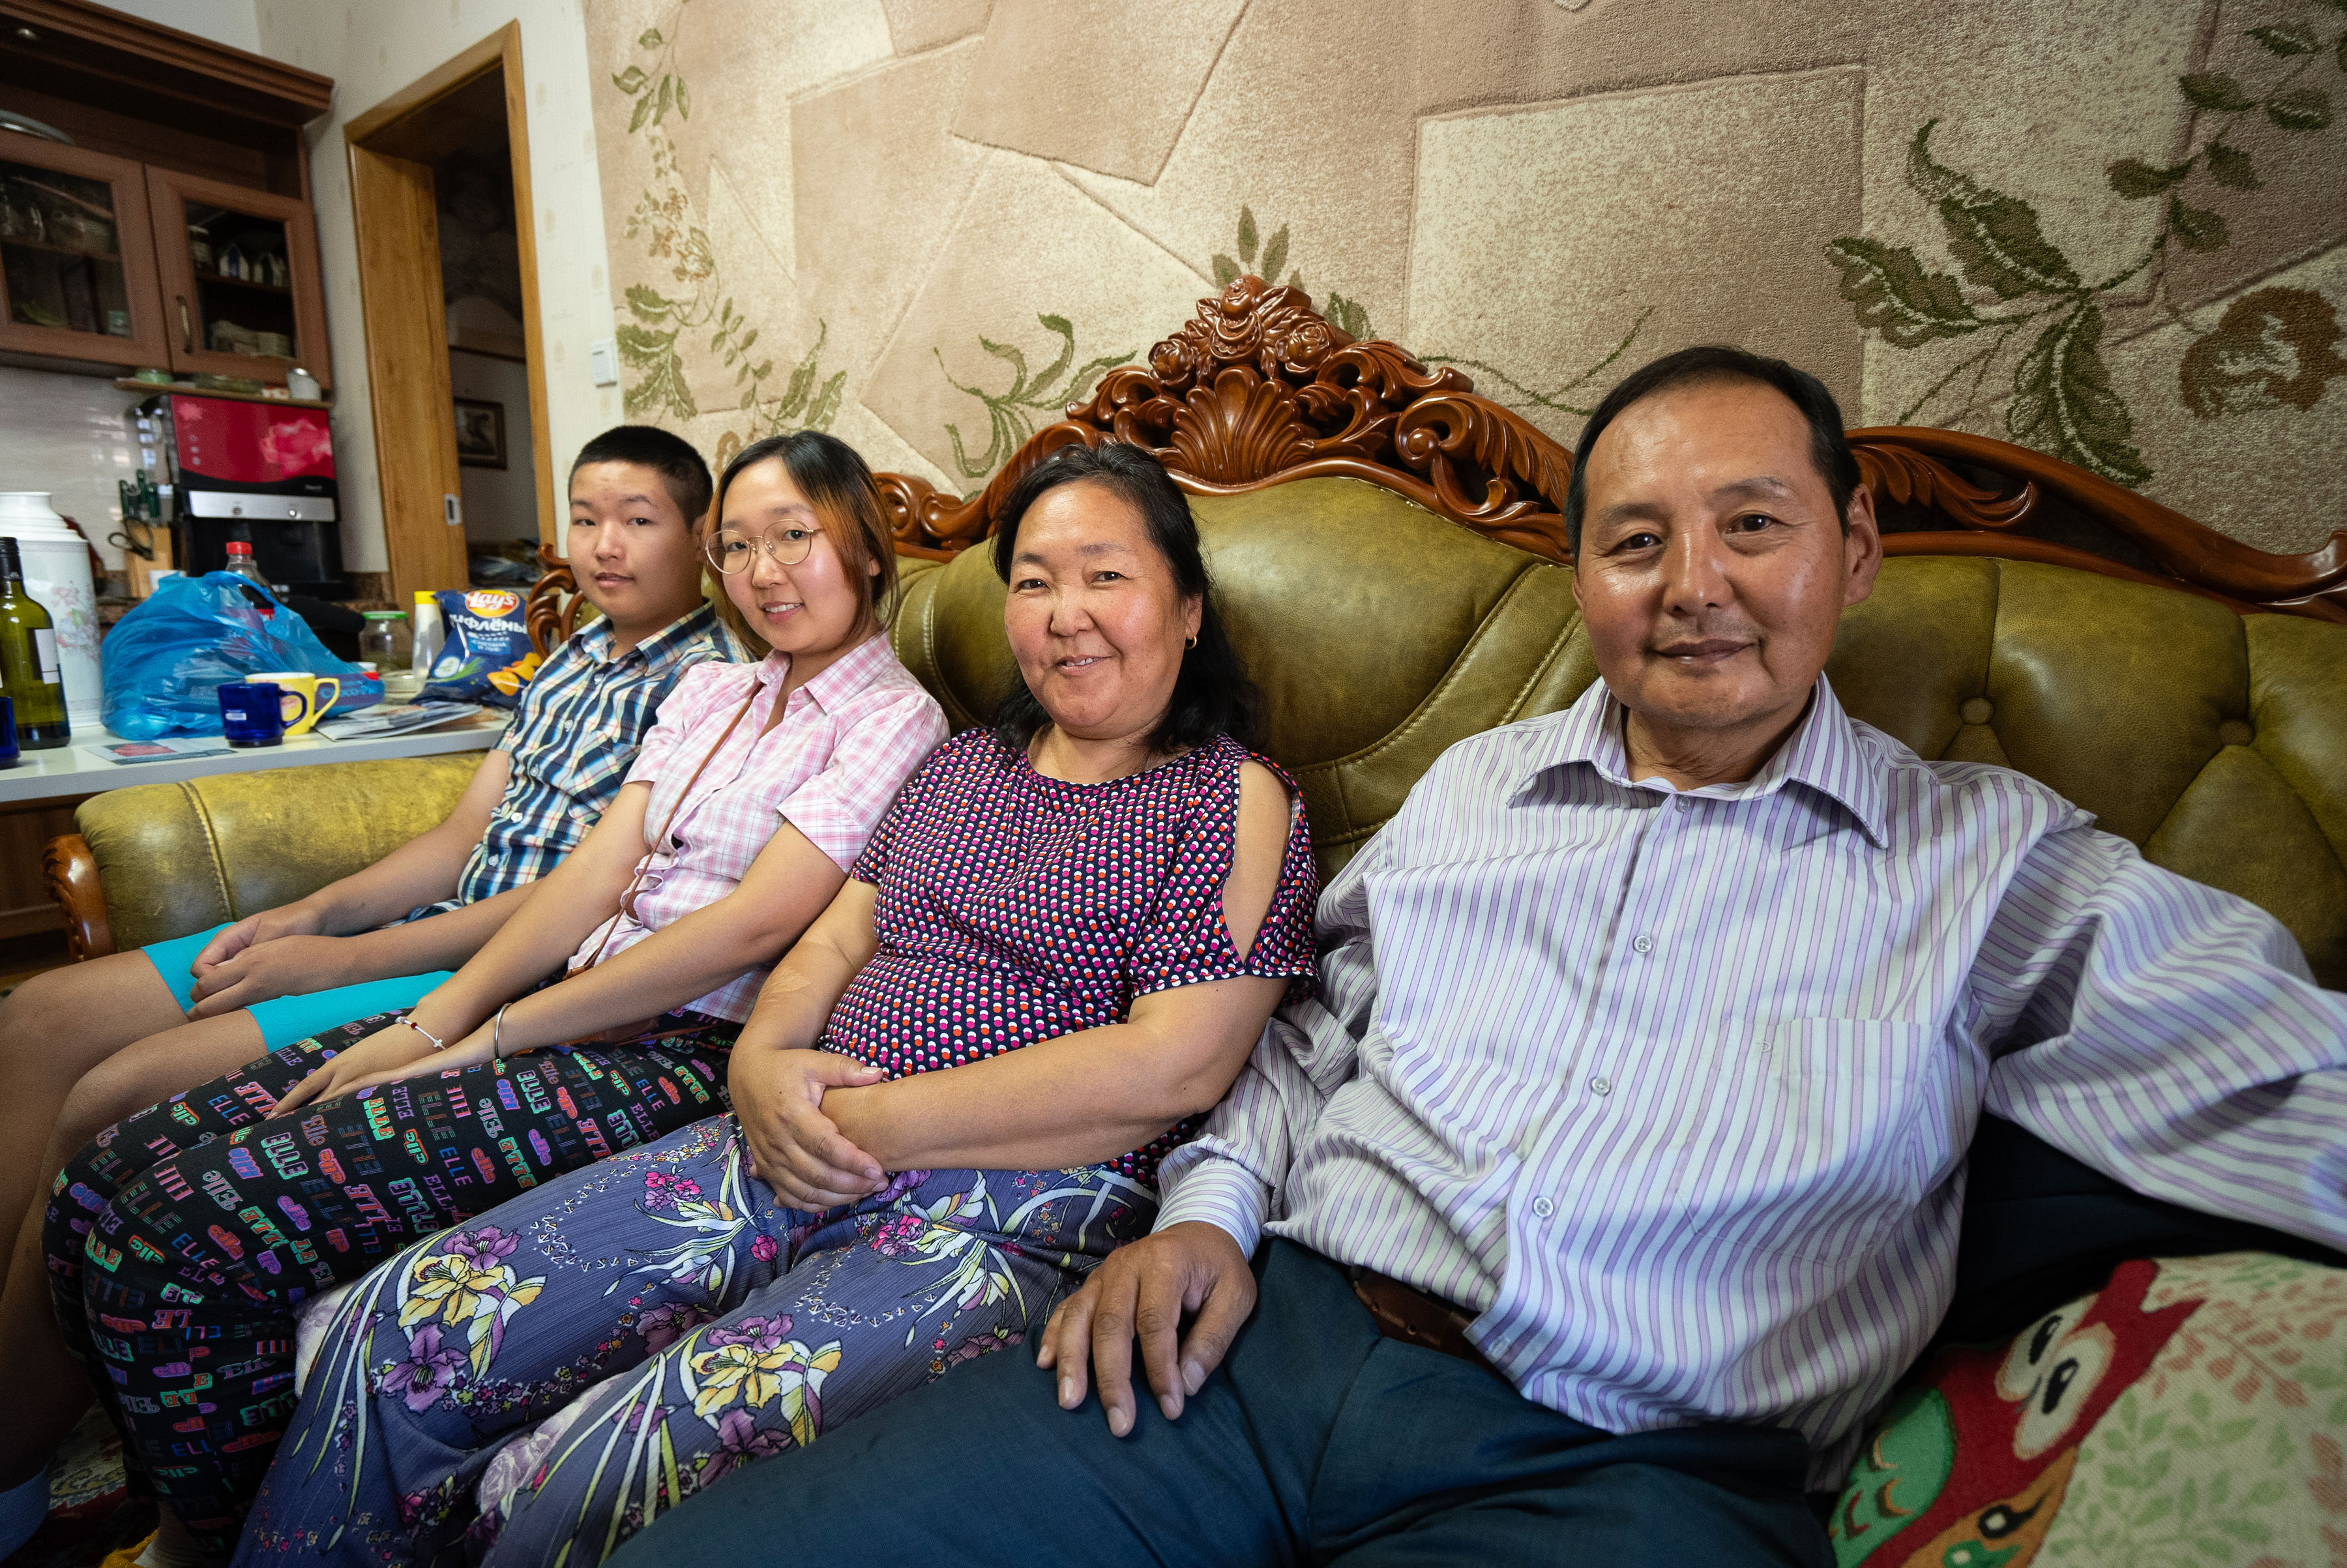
70,772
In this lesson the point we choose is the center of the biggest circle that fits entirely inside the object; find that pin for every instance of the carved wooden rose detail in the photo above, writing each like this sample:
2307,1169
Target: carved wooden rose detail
1259,386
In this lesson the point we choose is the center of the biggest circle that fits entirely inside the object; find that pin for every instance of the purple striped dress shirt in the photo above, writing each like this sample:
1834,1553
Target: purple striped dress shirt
1674,1089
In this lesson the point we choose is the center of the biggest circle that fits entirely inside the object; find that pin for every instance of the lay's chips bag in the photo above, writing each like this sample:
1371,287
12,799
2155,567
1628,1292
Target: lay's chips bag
487,657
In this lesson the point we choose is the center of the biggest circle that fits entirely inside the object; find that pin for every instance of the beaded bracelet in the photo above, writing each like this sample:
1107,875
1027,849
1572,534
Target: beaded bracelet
435,1040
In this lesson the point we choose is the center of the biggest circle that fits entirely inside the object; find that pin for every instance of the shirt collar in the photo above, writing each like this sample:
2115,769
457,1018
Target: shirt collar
1823,753
843,678
662,647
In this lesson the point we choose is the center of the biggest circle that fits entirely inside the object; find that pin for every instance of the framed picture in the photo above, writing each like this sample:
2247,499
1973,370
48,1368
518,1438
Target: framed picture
480,433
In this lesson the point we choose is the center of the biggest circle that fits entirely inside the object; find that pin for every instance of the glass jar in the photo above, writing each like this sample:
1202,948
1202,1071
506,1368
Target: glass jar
379,642
386,643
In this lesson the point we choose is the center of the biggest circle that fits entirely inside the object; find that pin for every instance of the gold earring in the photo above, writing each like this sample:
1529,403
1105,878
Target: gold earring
1192,644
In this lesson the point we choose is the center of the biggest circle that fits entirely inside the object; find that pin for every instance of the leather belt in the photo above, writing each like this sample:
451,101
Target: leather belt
1406,1313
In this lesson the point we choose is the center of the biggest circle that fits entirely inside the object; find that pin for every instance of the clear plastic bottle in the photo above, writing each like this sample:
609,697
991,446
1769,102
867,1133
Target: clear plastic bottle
429,635
241,564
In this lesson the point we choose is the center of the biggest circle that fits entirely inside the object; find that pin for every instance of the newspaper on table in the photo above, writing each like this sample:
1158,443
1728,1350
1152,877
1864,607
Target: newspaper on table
164,751
374,723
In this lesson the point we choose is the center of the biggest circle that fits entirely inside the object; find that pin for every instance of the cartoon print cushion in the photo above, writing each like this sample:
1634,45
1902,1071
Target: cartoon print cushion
2193,1410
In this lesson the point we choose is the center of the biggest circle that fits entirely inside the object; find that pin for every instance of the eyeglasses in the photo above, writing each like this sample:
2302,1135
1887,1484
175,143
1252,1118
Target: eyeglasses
732,551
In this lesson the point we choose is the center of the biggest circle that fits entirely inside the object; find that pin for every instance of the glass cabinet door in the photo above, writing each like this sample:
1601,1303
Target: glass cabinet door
77,260
241,286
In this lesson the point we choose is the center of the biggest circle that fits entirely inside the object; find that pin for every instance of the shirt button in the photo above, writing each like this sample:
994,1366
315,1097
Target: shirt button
1601,1086
1644,944
1685,804
1543,1207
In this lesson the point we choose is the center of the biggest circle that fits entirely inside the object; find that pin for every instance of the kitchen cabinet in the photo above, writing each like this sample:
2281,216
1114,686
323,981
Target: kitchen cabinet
78,264
107,261
152,121
239,279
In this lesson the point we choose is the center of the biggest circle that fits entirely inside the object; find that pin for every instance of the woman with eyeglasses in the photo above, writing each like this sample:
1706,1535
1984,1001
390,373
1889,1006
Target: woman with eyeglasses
752,795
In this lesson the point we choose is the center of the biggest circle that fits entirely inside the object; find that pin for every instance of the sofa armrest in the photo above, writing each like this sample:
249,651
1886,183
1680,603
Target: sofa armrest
72,873
175,859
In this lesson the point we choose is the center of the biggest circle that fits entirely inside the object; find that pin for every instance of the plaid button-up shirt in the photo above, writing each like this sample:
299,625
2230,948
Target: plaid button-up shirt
571,743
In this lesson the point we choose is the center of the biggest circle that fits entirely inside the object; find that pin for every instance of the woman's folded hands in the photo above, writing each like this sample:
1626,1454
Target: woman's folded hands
795,1148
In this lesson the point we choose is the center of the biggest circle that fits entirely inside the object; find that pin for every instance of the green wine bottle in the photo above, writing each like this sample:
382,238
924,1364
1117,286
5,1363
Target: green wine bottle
29,671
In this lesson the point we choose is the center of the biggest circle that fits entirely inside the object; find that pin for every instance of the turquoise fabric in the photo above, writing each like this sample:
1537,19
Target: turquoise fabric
288,1018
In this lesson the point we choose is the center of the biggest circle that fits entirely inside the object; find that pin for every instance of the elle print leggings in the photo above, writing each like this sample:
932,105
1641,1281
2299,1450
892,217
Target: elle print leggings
541,1386
180,1241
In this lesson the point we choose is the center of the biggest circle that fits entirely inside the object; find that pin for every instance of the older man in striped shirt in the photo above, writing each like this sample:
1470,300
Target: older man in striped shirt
1651,1039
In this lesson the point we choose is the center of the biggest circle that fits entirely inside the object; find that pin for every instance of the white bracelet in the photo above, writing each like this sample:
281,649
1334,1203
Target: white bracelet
436,1042
496,1031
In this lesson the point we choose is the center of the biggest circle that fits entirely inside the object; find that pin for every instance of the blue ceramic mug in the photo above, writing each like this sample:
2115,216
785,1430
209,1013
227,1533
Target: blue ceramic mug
253,713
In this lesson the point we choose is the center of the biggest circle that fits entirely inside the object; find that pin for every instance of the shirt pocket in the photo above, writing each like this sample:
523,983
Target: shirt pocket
1817,1139
587,764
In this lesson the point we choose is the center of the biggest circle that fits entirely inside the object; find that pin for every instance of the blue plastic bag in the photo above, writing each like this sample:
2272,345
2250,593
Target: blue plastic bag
163,663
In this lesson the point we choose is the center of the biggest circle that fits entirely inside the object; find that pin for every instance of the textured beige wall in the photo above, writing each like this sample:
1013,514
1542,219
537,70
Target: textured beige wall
927,224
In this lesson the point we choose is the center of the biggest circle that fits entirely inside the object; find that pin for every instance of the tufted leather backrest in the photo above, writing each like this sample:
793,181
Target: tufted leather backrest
1381,634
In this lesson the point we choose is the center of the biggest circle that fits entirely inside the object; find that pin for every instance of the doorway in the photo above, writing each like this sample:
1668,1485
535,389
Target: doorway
448,288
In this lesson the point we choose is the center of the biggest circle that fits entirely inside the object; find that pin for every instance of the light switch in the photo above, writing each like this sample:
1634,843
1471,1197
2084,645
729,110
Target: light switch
603,361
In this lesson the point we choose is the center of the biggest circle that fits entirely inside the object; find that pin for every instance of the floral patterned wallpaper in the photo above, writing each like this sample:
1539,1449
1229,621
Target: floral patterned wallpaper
2107,231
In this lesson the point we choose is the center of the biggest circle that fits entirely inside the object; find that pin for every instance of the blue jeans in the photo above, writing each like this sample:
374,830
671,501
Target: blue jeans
1317,1441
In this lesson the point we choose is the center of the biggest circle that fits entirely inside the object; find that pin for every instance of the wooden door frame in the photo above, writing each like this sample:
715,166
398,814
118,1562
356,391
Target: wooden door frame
406,337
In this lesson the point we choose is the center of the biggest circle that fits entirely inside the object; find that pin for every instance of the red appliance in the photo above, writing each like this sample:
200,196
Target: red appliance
262,472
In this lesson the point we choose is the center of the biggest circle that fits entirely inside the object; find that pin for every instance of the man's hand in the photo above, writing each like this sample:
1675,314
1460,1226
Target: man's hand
383,1057
268,969
290,920
795,1148
1140,1291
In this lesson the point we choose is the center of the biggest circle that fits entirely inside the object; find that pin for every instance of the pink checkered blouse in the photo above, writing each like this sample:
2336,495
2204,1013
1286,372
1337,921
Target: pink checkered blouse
847,740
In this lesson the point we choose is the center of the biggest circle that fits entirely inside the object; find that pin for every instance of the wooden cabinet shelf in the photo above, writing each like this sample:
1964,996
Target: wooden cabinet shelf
15,244
223,278
131,383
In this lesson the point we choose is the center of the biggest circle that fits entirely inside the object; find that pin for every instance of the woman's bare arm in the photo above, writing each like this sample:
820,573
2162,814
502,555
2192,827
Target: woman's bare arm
786,886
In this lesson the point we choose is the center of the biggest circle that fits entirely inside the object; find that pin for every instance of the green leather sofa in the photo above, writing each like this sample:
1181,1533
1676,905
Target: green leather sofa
1387,551
1381,633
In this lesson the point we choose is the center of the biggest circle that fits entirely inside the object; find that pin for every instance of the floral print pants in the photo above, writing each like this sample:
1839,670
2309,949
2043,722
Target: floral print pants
540,1384
182,1240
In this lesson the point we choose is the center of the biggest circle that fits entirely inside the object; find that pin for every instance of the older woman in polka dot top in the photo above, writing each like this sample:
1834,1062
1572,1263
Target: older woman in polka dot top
1050,960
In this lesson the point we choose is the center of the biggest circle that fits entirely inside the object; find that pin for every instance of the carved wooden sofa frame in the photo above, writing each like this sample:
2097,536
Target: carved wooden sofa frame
1258,389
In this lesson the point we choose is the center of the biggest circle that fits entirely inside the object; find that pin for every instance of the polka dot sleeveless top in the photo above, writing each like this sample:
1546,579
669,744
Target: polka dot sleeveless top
1015,907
